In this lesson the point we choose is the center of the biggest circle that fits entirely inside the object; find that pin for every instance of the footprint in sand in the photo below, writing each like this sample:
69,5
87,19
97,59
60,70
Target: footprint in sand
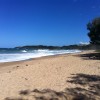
17,66
26,79
9,72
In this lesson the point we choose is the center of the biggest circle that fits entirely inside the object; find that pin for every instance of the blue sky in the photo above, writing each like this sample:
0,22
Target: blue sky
45,22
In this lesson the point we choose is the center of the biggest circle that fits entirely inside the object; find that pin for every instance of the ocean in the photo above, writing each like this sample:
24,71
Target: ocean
10,55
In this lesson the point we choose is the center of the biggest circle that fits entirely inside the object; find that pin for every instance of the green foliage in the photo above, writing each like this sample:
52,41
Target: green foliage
94,31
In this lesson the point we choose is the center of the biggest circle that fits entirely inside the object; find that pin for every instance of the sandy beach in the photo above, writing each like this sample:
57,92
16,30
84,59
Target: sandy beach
61,77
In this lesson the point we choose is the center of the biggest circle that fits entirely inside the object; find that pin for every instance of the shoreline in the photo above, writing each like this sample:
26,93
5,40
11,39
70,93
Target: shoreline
15,57
51,73
9,65
43,57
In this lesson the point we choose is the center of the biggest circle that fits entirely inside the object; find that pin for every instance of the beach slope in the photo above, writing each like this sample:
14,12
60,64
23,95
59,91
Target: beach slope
61,77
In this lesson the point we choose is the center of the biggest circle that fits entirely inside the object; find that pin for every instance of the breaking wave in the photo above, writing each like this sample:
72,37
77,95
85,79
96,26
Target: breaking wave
28,54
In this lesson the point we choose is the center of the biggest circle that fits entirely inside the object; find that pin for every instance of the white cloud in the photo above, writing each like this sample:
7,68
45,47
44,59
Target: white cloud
84,43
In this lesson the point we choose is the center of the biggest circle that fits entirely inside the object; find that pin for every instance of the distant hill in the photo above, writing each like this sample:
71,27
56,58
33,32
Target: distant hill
80,47
36,47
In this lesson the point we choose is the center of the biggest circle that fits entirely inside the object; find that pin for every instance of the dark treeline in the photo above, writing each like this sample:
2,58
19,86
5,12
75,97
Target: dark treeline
69,47
80,47
94,31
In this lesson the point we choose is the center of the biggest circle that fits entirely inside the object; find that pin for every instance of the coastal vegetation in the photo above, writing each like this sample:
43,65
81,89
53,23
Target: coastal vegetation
66,47
94,31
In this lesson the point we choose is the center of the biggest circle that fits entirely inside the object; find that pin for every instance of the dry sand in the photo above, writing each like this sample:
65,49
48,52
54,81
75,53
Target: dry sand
50,78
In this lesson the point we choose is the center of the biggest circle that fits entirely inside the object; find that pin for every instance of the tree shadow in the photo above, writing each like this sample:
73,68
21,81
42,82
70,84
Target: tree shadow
92,56
87,88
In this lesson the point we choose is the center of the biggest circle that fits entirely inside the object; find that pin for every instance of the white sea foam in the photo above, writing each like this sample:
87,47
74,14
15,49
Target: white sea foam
32,54
24,51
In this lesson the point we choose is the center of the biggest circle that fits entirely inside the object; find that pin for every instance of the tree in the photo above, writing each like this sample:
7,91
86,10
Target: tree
94,31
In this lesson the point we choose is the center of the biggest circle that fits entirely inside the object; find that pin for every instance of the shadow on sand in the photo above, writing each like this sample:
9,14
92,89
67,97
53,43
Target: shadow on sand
88,88
92,56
